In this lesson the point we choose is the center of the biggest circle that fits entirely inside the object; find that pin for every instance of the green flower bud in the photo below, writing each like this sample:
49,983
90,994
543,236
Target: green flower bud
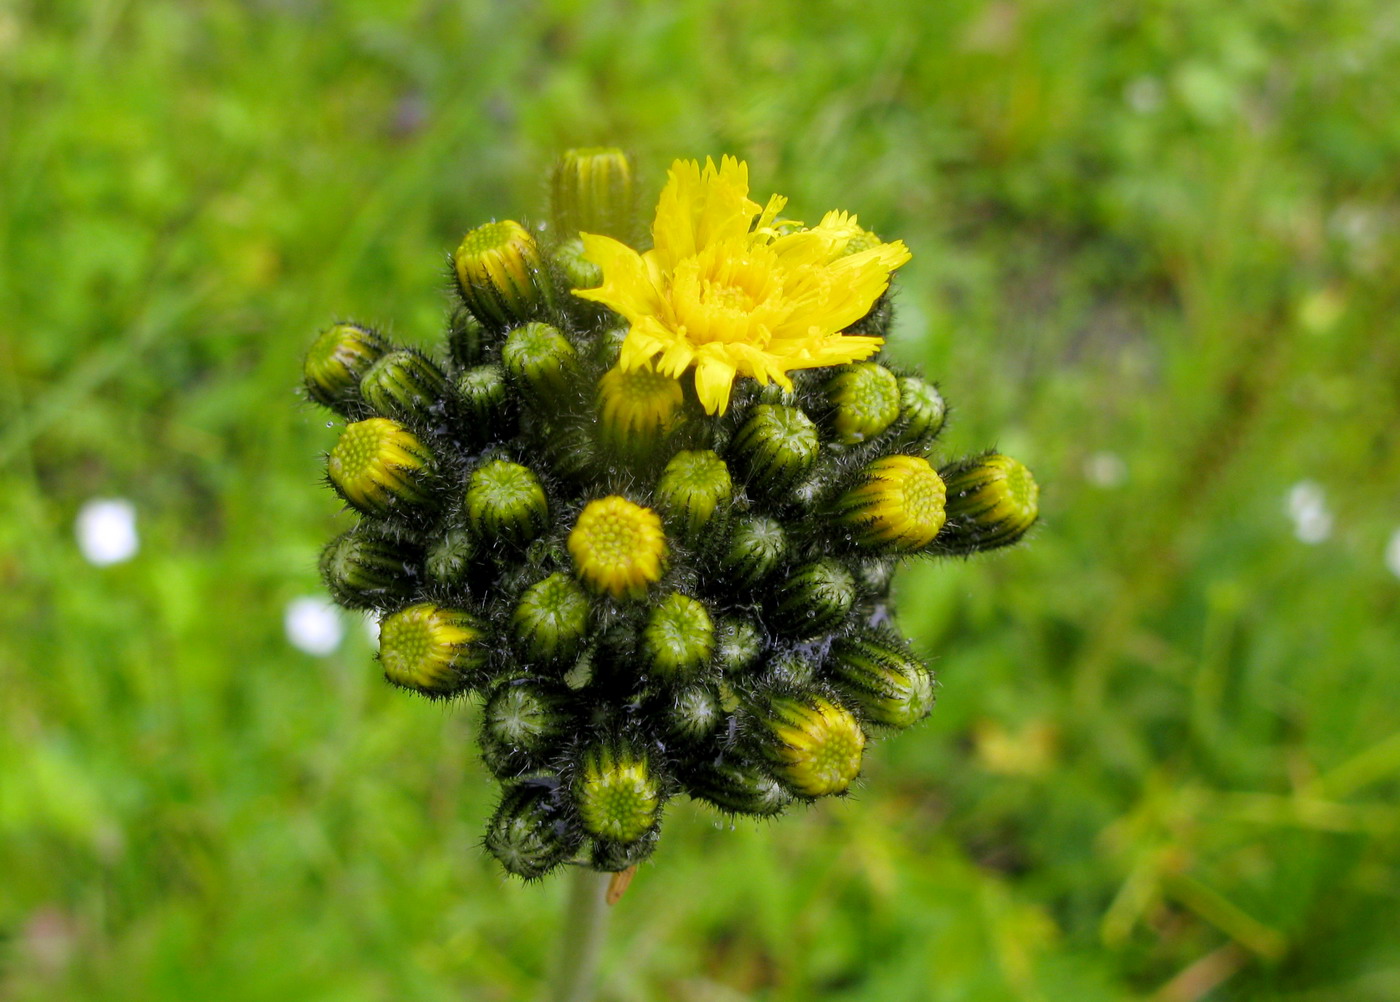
501,275
432,650
896,506
738,787
617,793
880,676
757,546
694,486
637,409
364,569
551,621
523,725
450,557
577,271
466,339
405,386
738,643
691,713
572,451
814,599
775,447
529,834
506,502
814,745
679,636
992,501
921,414
540,360
790,669
614,857
592,192
864,400
483,400
378,466
339,356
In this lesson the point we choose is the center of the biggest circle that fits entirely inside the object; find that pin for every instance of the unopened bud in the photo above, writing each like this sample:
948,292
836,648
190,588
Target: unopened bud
529,833
618,547
775,447
466,338
378,466
814,745
450,557
506,502
339,356
692,713
896,506
891,685
501,275
483,400
637,408
551,620
592,192
541,361
616,792
757,546
814,599
921,414
864,401
363,569
405,386
574,267
523,724
992,501
738,643
432,650
694,487
679,636
738,787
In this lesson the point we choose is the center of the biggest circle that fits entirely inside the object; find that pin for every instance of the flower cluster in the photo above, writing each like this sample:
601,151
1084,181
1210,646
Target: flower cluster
647,505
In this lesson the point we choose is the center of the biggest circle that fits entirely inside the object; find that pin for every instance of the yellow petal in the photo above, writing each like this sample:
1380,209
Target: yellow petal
627,282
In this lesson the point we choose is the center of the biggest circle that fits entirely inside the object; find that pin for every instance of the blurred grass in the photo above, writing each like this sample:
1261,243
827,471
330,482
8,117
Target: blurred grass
1155,256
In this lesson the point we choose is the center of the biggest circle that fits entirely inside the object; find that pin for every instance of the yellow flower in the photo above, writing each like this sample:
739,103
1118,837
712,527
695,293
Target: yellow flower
618,547
727,291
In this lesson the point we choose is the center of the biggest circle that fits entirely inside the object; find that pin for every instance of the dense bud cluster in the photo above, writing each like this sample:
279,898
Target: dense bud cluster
650,595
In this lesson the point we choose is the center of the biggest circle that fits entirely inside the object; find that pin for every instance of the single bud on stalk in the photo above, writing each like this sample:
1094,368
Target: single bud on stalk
551,621
522,724
888,683
501,275
616,793
339,356
813,599
505,502
637,409
618,547
363,569
864,400
775,447
922,413
694,488
738,787
379,467
815,746
678,637
432,650
405,386
540,360
757,545
529,834
592,191
992,501
896,506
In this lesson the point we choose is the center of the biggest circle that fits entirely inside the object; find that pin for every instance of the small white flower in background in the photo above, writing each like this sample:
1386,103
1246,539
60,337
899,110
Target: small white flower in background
313,625
1105,469
1307,506
1143,94
1392,553
106,531
372,628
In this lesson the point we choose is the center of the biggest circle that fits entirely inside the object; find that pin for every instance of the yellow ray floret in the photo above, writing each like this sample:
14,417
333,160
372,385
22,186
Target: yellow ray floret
729,293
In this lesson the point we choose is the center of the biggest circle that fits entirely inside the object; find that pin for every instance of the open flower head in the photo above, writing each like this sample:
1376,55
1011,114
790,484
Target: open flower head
728,292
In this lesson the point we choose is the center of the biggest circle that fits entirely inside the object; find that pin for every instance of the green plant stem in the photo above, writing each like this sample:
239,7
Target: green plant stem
581,938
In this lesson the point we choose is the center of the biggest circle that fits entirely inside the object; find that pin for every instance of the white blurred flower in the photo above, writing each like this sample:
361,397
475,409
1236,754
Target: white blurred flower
372,628
1105,469
1392,553
106,531
1143,94
313,625
1307,506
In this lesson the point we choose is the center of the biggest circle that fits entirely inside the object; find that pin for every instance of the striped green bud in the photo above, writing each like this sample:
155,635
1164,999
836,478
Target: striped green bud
897,505
506,502
864,400
617,793
691,713
432,650
814,745
523,725
405,386
466,339
880,676
790,669
592,191
679,636
992,501
501,275
738,643
339,356
379,467
757,546
738,787
450,557
614,857
540,360
574,267
693,488
364,569
482,399
814,599
529,833
775,447
551,620
921,414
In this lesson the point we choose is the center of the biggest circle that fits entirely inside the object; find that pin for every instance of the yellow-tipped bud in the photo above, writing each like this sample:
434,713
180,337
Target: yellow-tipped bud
637,408
506,502
692,490
378,465
617,793
339,356
898,505
618,547
876,672
864,401
432,650
500,274
679,636
992,501
815,745
592,192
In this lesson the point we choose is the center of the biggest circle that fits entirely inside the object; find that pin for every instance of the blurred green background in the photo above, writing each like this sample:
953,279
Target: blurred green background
1155,255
